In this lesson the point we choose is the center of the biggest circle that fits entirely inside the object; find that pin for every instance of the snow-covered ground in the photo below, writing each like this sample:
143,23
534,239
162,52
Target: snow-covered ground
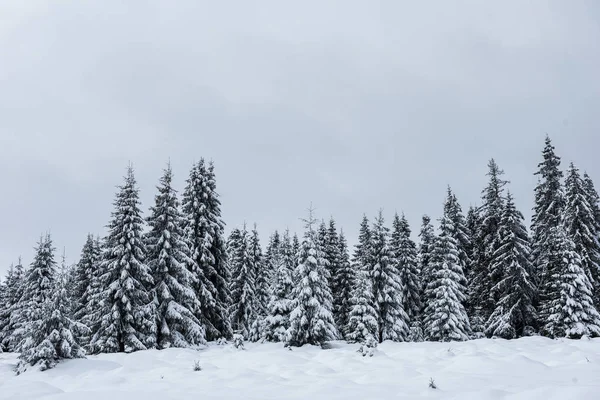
530,368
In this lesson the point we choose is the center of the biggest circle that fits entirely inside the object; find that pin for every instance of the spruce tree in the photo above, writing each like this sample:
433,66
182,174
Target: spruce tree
425,258
87,263
343,283
9,309
581,227
126,309
50,334
311,318
280,305
243,283
362,319
168,259
87,285
296,249
272,256
445,318
547,212
461,232
568,309
593,198
37,288
262,276
476,252
387,286
485,277
334,260
406,261
362,251
204,232
515,311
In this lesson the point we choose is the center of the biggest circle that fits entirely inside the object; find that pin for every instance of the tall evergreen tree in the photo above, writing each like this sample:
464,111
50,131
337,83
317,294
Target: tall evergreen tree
461,232
296,249
362,251
593,198
273,256
204,230
548,210
50,334
169,258
126,308
311,319
262,276
485,278
90,271
9,309
581,227
425,257
280,305
37,289
362,319
445,318
406,261
568,309
515,311
87,286
334,260
84,269
343,284
387,286
476,252
243,284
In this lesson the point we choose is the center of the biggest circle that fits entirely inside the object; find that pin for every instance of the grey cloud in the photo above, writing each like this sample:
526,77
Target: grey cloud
351,105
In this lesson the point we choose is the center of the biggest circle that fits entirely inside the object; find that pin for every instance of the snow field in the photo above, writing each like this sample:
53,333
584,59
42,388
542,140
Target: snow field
523,369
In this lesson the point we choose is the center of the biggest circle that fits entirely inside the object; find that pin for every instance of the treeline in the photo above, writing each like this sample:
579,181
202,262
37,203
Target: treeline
174,280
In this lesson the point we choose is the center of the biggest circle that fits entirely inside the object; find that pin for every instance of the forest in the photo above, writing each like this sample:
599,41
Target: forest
173,278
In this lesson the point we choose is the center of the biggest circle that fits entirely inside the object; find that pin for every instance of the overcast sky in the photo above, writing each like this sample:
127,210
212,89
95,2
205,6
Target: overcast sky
353,105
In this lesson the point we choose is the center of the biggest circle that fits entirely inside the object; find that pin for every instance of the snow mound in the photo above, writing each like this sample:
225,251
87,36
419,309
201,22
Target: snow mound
528,368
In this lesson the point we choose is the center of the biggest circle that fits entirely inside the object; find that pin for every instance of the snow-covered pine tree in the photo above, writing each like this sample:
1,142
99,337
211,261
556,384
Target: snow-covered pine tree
50,334
581,227
262,289
475,253
426,247
87,286
9,308
484,277
243,288
311,318
204,232
296,249
387,287
127,321
547,212
343,283
168,259
445,318
280,305
461,230
362,250
568,309
38,285
515,311
406,261
90,314
87,263
273,255
362,320
593,198
334,260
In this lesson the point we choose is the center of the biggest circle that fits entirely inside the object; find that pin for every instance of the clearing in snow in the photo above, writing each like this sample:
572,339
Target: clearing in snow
523,369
